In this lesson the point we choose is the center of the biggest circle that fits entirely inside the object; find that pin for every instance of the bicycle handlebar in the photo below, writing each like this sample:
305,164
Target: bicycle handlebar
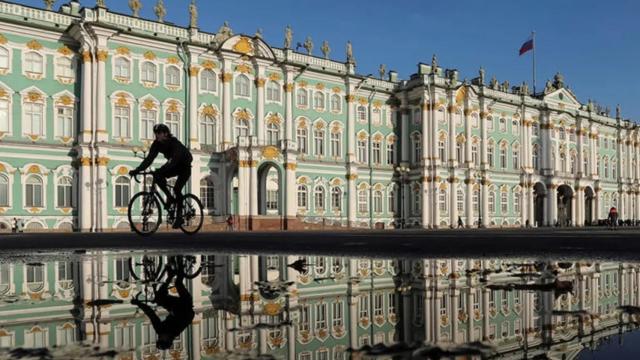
144,173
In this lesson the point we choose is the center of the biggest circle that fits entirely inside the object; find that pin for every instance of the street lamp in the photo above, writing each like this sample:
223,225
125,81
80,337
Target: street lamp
402,171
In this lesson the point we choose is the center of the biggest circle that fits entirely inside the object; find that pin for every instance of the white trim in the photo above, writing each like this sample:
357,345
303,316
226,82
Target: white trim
216,76
9,68
23,64
148,84
234,90
180,80
121,80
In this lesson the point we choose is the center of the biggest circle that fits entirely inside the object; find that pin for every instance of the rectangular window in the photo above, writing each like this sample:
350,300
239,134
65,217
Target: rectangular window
4,116
305,318
302,140
121,122
362,151
503,203
319,142
338,314
64,122
377,153
335,144
33,121
378,304
272,200
148,121
362,202
390,153
321,316
363,308
391,304
172,120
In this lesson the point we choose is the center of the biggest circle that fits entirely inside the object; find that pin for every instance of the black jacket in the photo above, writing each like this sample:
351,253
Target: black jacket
172,149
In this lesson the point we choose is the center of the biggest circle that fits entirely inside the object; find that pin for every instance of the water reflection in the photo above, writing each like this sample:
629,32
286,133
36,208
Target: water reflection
153,306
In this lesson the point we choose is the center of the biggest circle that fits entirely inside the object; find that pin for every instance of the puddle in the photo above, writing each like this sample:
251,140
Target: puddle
135,305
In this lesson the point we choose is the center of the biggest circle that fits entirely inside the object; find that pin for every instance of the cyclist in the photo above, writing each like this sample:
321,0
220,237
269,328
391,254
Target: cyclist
178,164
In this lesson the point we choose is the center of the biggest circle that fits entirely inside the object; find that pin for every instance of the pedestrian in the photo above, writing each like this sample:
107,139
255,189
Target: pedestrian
230,223
613,217
14,225
460,223
20,225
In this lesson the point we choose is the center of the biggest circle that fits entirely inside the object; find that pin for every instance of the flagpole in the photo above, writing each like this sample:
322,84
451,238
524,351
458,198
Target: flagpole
533,37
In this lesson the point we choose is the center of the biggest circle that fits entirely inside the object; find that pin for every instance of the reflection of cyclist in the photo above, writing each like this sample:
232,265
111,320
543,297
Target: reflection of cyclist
178,164
180,311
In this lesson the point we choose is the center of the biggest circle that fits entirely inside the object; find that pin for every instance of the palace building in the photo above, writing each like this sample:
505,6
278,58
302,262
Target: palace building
283,139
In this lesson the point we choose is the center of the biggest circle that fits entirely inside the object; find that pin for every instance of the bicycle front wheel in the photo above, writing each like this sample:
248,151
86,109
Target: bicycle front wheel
145,213
192,214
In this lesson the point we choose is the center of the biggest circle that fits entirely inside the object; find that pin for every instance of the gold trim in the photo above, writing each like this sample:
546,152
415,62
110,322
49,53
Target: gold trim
260,82
288,87
34,45
291,166
64,50
270,152
208,64
123,51
226,77
243,46
193,71
103,55
149,55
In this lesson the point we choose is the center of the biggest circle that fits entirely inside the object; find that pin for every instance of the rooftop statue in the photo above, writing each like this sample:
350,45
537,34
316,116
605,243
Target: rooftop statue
308,45
382,70
288,37
100,3
434,63
326,50
481,75
193,14
350,58
48,4
618,112
505,86
223,33
493,84
160,10
548,87
558,81
135,6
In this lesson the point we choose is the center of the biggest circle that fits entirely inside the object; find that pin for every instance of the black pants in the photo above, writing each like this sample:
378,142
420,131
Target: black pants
168,171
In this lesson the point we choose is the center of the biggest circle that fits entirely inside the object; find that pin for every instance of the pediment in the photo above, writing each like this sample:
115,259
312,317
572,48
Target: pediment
248,46
562,97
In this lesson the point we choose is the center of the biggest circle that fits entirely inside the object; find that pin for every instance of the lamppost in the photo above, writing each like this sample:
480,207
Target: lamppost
480,178
402,171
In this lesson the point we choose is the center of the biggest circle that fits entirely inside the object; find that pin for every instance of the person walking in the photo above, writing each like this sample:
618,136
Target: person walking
460,223
14,225
613,217
230,223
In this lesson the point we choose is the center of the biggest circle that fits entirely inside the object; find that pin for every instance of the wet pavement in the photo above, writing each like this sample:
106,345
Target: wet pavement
170,304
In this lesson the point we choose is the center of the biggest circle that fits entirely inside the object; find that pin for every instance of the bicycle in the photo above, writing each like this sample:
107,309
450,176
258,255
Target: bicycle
148,203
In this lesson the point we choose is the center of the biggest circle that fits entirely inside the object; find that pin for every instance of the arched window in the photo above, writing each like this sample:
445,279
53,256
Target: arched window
147,122
391,201
377,202
242,128
517,200
172,120
417,148
515,127
336,103
490,152
561,134
376,152
318,136
319,197
336,144
442,200
4,59
302,138
442,149
336,198
33,192
302,197
207,194
273,134
173,76
4,115
208,81
363,201
65,191
242,87
614,170
33,120
4,190
573,168
362,113
504,200
460,151
515,160
460,201
391,151
122,192
476,201
122,68
302,97
362,150
207,130
33,63
492,202
606,167
64,67
149,72
273,91
503,157
474,154
318,100
503,124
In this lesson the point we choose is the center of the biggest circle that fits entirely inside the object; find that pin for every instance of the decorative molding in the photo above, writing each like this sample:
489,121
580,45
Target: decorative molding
34,45
149,55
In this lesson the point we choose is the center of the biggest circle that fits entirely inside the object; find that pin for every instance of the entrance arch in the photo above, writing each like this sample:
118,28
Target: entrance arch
565,196
270,190
539,193
589,201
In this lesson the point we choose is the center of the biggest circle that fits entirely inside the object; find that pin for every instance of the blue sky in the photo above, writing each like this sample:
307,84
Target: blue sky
595,44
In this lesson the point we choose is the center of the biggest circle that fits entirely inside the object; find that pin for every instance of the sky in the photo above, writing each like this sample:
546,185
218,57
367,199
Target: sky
595,44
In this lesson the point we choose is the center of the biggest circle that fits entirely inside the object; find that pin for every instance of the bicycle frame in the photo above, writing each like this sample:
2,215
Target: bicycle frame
153,188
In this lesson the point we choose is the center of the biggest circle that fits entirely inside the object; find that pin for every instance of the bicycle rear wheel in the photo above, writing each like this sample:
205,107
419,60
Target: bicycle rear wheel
147,269
192,214
145,213
187,266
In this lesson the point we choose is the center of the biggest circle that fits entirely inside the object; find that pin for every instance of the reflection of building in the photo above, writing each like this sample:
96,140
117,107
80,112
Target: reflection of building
332,306
281,137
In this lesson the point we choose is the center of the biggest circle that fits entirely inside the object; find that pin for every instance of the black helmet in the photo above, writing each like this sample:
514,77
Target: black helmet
161,128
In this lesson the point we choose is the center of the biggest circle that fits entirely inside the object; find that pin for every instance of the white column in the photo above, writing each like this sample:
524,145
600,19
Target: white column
436,208
351,125
531,204
194,141
597,204
524,205
351,184
552,205
426,202
86,102
453,198
253,188
243,188
484,200
288,97
467,135
227,77
577,218
405,135
291,189
483,139
469,204
85,211
101,96
260,83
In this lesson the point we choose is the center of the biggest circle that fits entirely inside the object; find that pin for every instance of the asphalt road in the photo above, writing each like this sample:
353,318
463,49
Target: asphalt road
592,243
